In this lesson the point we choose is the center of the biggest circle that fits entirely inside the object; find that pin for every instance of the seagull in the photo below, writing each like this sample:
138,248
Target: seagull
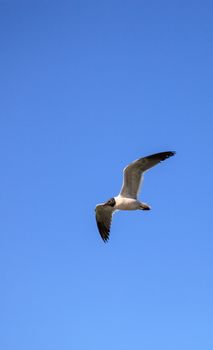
127,199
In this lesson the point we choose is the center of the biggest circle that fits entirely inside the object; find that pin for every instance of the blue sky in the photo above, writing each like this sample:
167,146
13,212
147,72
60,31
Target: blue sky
86,88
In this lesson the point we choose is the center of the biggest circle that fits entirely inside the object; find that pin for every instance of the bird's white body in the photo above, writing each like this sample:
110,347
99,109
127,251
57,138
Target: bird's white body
124,203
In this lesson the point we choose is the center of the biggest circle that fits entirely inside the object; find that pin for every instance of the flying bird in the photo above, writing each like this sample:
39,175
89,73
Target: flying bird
128,196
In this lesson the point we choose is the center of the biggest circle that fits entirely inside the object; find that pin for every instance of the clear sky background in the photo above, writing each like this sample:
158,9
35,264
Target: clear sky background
86,88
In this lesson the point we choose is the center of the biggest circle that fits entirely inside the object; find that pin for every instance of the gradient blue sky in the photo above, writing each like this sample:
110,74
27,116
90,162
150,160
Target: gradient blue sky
86,88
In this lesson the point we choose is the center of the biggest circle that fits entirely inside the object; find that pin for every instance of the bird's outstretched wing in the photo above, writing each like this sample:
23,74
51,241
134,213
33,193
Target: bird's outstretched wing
133,173
104,219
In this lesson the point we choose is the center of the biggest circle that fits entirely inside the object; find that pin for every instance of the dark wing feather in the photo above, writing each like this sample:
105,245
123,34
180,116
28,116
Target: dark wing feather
104,219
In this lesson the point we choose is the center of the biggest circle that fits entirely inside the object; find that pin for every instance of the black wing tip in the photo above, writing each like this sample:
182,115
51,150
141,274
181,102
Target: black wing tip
170,154
104,231
105,238
166,155
162,155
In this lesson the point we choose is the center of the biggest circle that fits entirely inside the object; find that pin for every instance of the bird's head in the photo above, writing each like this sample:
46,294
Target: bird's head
111,202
